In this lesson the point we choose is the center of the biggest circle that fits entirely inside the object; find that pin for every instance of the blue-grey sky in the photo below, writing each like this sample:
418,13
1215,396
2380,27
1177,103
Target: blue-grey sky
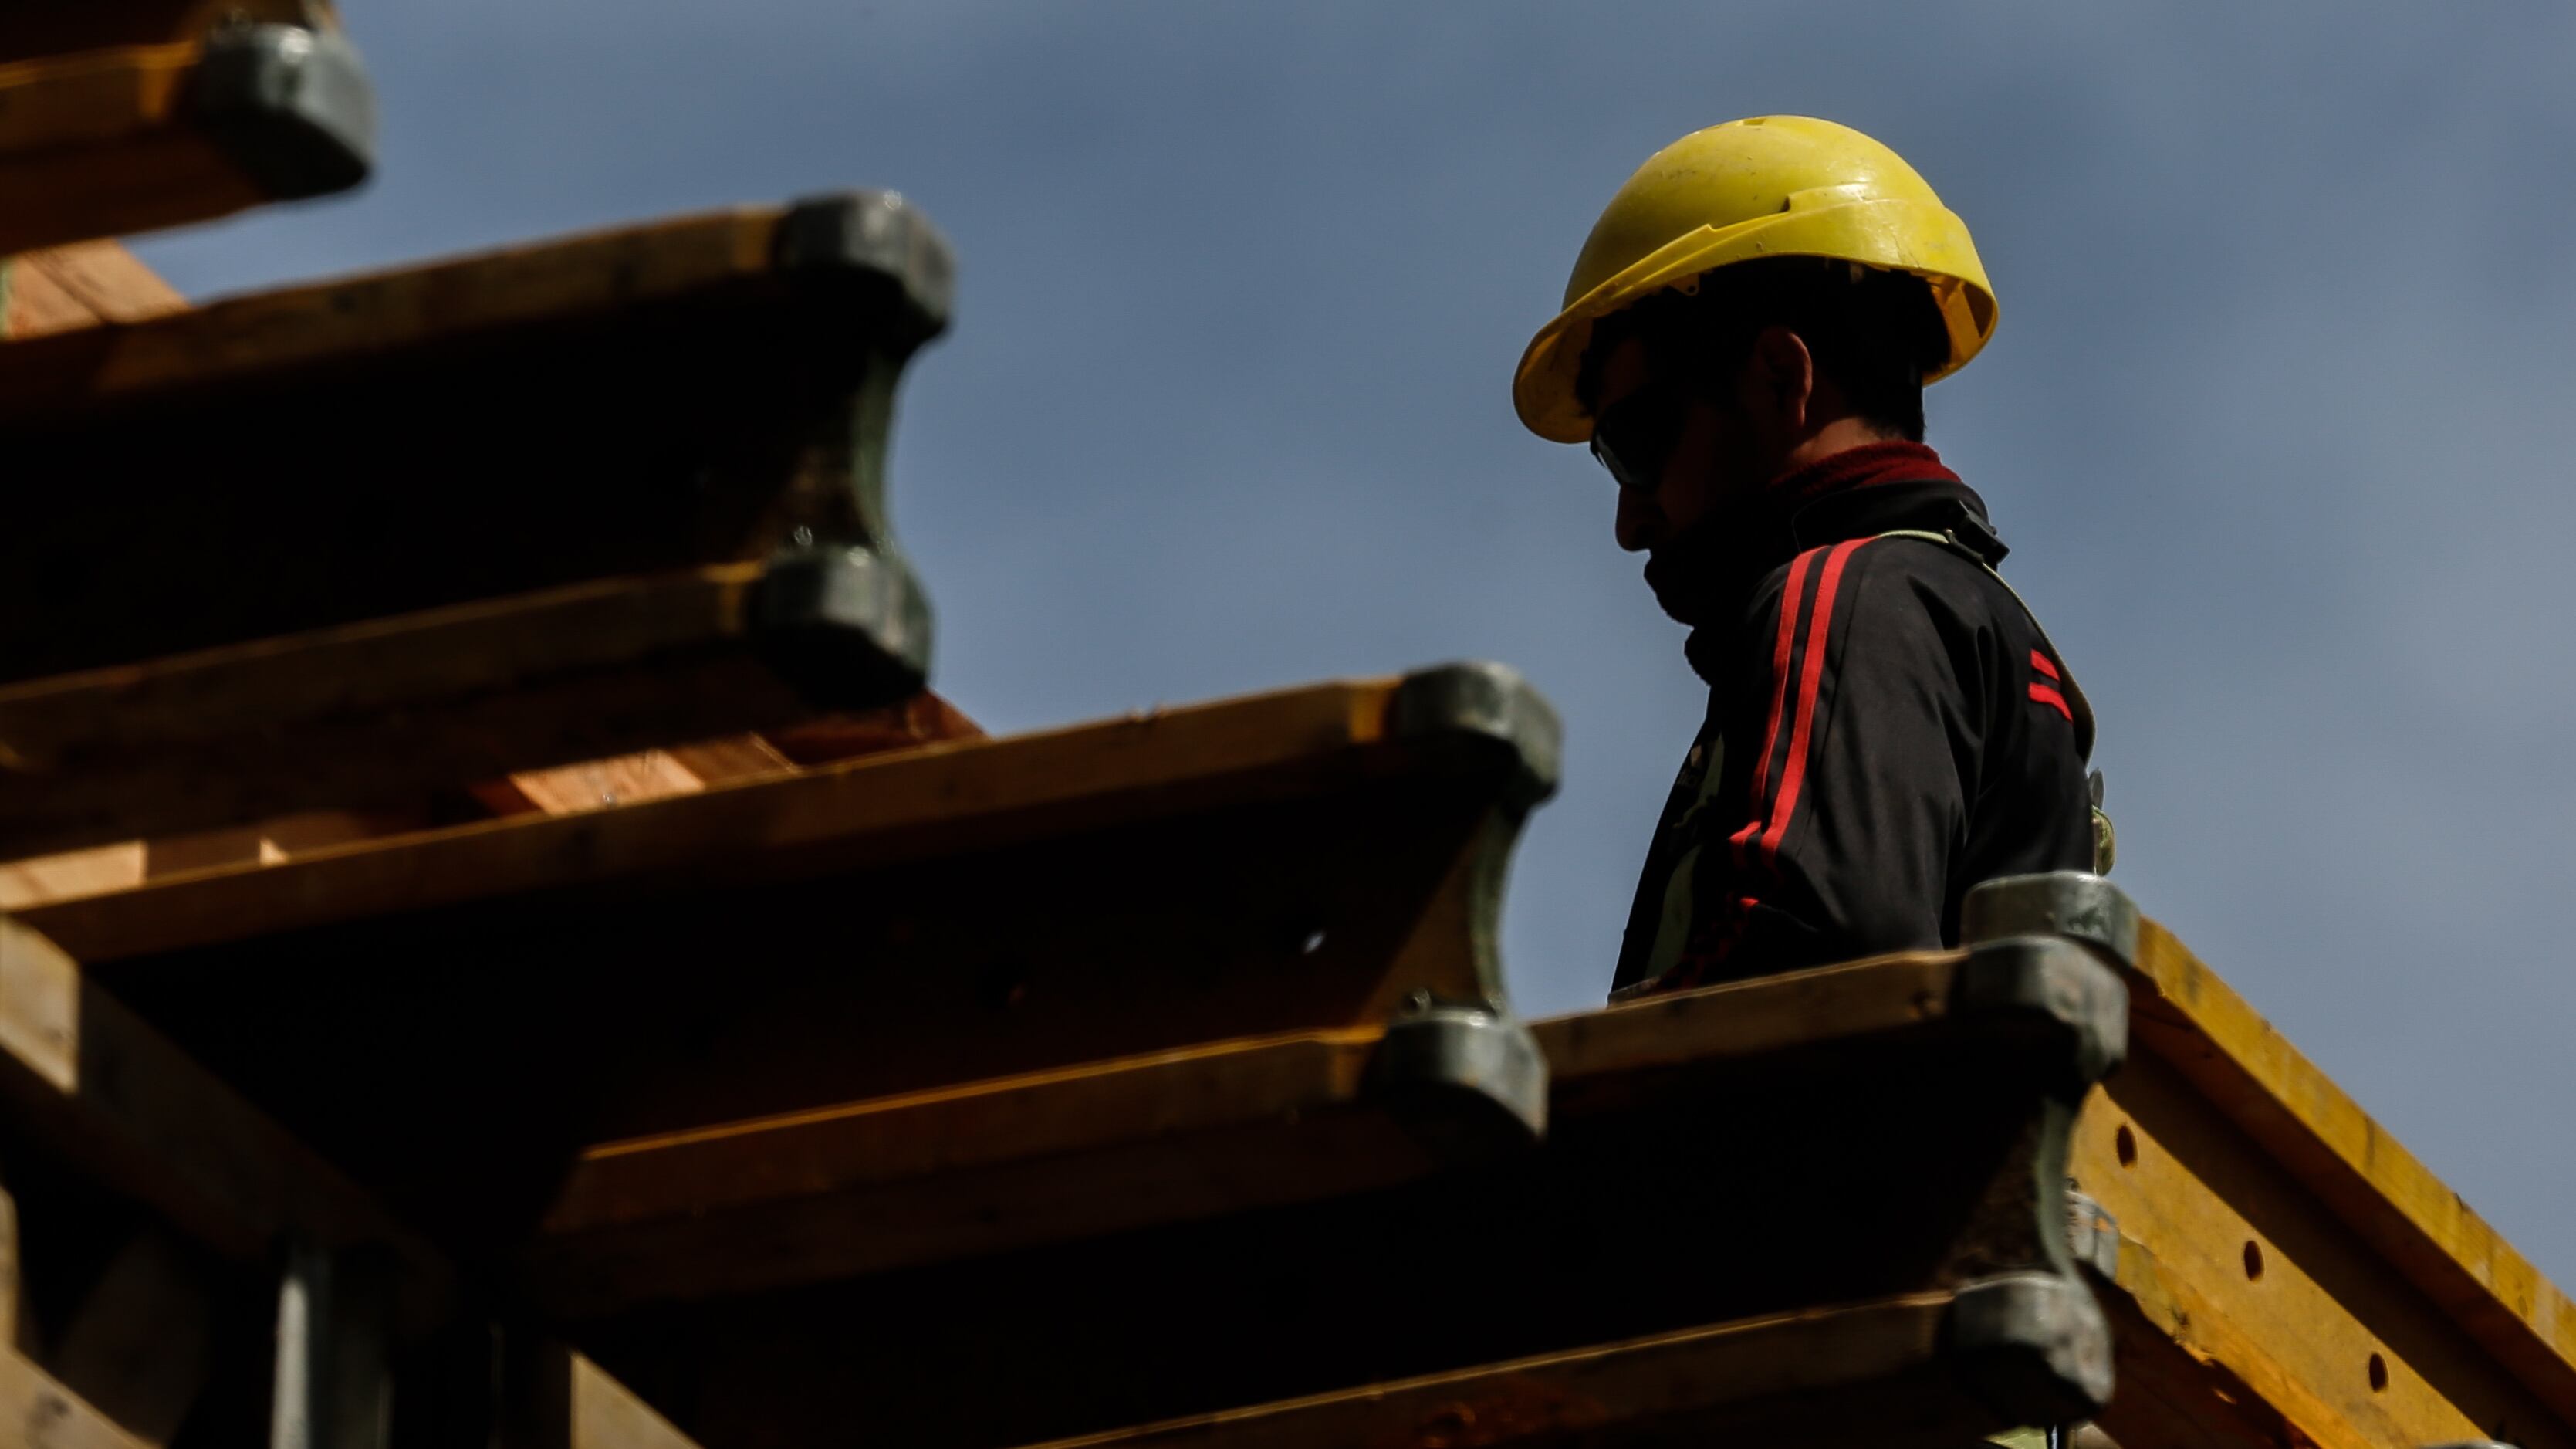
2274,418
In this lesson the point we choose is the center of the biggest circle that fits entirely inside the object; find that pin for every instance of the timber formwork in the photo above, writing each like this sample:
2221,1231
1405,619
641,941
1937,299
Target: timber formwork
502,949
120,116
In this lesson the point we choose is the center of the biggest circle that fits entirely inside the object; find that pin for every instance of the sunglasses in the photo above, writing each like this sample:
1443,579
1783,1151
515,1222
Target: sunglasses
1635,437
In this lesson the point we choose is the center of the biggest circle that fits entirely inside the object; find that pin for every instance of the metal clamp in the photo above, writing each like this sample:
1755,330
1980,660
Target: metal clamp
1491,700
2068,903
1464,1080
291,107
2034,1346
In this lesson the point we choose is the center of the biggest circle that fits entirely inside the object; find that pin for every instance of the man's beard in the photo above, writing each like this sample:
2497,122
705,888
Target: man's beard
1701,573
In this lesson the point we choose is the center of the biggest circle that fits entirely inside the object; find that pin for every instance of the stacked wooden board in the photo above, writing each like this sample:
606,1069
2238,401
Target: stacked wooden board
119,116
501,948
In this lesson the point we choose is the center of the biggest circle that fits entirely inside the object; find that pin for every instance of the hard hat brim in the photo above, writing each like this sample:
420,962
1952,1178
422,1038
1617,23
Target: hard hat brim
1922,238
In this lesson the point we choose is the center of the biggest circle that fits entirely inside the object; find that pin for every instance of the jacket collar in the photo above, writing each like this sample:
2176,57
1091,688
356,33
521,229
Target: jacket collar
1933,507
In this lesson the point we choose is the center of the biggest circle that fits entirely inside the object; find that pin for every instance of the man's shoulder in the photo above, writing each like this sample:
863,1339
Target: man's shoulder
1895,571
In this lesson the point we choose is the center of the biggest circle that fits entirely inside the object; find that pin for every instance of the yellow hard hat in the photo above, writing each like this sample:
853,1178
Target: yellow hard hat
1771,186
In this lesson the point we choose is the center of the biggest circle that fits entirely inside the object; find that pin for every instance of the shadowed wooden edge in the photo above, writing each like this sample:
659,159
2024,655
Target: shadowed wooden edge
80,1072
1114,769
85,284
1037,1127
1548,1398
125,118
2183,1013
42,1414
592,273
127,1106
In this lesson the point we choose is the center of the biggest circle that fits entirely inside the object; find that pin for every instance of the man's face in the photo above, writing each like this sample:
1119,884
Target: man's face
1705,452
1713,458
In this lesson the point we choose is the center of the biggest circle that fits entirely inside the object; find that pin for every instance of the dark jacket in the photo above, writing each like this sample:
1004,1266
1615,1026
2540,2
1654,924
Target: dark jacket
1887,726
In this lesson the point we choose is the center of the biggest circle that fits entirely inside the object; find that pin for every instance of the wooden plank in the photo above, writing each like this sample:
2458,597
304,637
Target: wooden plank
49,1416
154,128
31,31
2285,1268
1918,1156
335,323
685,769
81,1076
36,880
141,1346
98,870
1863,1376
106,1095
865,1186
708,393
85,284
377,715
2247,1289
2357,1172
601,1413
902,923
942,798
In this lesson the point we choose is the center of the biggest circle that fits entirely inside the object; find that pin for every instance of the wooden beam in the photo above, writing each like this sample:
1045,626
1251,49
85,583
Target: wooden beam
378,714
2244,1267
1866,1375
107,1096
338,322
45,1415
33,31
2284,1267
81,1076
1887,1129
85,284
1306,862
865,1186
663,403
121,125
872,1185
2361,1175
945,798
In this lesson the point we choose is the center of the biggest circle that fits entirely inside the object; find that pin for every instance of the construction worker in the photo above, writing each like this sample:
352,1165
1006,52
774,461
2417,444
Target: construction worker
1744,344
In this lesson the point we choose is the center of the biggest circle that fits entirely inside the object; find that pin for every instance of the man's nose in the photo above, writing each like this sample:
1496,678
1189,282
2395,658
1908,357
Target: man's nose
1640,524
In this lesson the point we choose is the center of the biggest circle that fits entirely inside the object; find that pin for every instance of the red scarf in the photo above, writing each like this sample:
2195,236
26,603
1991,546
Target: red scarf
1894,461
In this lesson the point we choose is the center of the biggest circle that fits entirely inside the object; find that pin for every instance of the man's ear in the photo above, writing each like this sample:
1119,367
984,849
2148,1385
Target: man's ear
1783,372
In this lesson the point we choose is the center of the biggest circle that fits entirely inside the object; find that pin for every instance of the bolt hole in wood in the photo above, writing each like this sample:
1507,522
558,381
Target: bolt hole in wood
2253,1262
2378,1374
2125,1143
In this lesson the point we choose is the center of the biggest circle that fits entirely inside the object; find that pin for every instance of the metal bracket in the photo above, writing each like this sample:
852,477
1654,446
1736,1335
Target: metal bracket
1491,700
2057,981
849,626
2093,1236
334,1381
2069,903
291,107
2034,1346
880,234
1464,1081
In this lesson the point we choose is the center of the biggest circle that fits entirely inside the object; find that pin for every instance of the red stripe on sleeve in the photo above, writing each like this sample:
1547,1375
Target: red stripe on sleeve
2053,700
1780,655
1820,639
2040,662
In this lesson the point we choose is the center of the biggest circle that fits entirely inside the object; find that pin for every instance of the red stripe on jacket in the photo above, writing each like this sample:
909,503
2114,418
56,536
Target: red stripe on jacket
1820,638
1801,651
1781,654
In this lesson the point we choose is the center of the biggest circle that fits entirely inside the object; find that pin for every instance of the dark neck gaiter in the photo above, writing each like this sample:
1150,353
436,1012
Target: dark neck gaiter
1703,575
